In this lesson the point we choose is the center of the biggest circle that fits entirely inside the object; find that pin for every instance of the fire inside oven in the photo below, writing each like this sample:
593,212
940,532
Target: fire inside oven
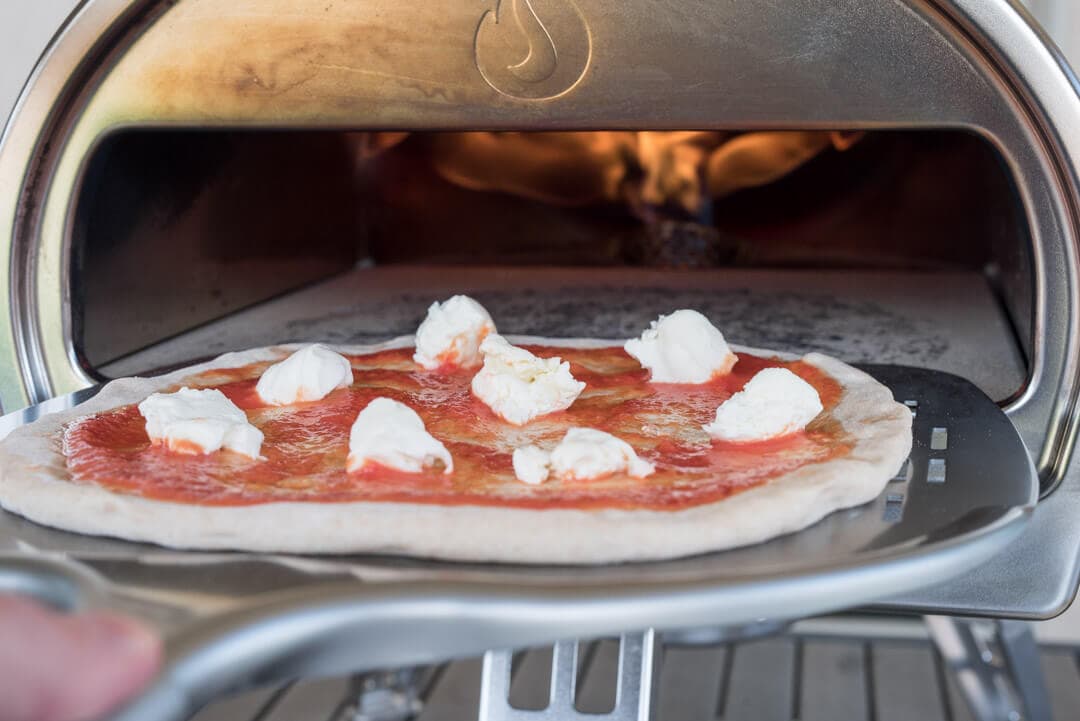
897,247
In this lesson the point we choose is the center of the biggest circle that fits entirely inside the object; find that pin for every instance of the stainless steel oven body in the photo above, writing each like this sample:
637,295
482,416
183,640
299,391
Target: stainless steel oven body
122,75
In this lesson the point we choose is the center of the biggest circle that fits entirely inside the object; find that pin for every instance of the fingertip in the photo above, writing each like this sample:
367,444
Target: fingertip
118,657
125,637
59,667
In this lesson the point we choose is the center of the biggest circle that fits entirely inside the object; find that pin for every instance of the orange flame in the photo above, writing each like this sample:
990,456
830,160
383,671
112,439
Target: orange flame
640,168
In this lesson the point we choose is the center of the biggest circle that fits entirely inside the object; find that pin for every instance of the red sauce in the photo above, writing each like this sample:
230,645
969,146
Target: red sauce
306,445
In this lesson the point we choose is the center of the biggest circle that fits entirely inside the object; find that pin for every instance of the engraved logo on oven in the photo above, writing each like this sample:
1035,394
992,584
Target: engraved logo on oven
533,49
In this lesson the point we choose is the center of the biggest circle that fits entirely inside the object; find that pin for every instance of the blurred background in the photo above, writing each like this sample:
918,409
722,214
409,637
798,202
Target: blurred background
27,25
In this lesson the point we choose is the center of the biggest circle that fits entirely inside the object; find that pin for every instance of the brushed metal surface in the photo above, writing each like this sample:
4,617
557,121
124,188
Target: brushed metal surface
634,693
635,683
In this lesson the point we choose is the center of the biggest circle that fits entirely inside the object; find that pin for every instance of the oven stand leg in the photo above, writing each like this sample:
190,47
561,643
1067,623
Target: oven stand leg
1005,688
634,691
1022,658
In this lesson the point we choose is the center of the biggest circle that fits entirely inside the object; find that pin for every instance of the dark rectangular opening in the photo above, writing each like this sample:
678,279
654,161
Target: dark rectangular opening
176,231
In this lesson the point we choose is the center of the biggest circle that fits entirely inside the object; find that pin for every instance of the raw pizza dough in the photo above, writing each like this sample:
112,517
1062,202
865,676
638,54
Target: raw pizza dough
34,483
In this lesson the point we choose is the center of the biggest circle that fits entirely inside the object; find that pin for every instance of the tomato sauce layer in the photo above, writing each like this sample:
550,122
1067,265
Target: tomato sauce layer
306,444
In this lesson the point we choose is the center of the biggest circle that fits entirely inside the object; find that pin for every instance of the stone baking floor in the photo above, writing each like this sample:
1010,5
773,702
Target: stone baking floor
944,321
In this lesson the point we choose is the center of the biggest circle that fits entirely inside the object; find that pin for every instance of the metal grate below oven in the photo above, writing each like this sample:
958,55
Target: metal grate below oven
802,675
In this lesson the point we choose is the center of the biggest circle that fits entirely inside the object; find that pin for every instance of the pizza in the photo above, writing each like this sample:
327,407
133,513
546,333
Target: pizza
399,450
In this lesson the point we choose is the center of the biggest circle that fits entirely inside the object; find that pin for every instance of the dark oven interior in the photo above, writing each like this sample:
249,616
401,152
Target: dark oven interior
887,246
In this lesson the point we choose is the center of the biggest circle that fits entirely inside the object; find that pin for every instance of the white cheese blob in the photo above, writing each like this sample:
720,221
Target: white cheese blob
586,453
773,403
199,421
451,334
583,454
309,374
392,434
683,347
532,464
518,386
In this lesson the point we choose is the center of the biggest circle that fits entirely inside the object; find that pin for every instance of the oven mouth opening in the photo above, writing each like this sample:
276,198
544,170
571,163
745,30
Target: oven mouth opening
882,246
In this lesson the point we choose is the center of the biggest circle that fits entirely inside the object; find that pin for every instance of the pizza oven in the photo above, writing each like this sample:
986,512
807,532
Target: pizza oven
889,183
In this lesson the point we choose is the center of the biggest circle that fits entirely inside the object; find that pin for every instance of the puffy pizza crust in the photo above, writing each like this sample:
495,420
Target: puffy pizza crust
34,483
